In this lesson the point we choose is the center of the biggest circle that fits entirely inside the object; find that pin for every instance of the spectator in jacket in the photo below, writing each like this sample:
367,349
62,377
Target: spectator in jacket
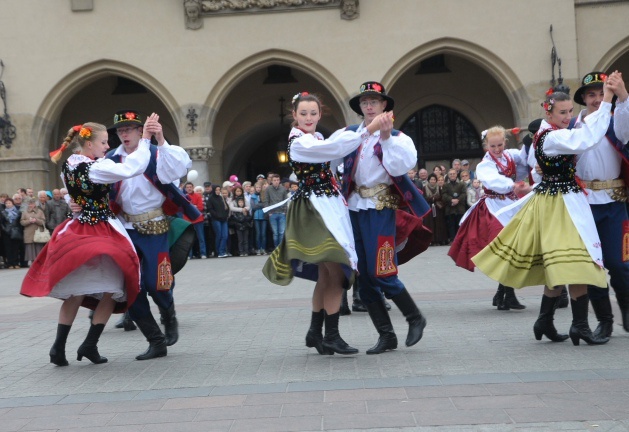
219,211
197,200
58,210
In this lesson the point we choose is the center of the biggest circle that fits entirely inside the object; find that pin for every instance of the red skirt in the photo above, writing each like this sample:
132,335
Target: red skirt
477,231
79,243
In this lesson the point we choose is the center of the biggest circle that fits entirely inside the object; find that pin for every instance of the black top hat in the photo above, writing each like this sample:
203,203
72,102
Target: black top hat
127,118
371,88
593,79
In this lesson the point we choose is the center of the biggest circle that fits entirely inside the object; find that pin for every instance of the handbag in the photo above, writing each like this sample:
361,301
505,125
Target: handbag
42,235
15,233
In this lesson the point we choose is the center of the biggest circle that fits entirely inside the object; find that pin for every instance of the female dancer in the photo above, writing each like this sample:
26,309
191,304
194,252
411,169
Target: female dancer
318,243
497,173
90,260
553,240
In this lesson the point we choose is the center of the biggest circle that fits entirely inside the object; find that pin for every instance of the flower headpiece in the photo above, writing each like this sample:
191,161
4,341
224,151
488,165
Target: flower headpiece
548,106
550,91
85,133
298,95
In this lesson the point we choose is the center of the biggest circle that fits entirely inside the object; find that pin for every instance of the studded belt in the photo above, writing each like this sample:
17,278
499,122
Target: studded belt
380,195
602,185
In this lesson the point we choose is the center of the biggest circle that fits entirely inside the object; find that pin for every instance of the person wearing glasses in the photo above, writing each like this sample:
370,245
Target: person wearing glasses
369,174
142,204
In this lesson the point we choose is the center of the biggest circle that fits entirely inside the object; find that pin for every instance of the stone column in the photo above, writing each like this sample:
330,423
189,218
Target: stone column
200,158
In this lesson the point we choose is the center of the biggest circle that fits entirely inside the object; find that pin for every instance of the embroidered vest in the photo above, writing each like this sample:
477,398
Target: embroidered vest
92,197
558,172
176,201
409,194
312,177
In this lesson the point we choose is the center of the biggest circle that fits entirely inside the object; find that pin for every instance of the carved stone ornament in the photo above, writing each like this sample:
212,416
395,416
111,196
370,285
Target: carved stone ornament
195,10
200,153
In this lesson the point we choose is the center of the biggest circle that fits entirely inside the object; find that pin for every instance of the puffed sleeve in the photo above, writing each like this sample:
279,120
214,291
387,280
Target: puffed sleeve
577,141
490,177
172,163
307,148
621,121
398,154
108,171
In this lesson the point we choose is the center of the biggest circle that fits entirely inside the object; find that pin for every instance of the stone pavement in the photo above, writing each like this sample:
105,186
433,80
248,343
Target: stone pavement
241,364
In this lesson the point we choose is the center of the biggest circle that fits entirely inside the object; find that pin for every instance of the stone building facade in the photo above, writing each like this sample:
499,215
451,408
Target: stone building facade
221,72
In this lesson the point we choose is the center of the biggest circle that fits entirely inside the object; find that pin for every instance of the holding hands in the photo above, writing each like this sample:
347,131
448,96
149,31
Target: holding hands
615,84
383,122
153,127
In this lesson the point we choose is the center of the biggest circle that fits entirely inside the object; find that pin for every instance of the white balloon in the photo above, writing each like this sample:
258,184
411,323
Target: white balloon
192,175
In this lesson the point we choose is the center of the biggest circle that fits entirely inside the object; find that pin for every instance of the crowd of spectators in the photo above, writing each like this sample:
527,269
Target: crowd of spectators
23,213
234,223
450,192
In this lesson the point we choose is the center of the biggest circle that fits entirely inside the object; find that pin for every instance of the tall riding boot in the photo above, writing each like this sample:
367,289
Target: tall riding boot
58,350
126,322
332,340
344,305
603,311
89,346
623,304
580,328
357,303
154,336
314,337
382,322
416,322
499,297
544,325
563,298
171,326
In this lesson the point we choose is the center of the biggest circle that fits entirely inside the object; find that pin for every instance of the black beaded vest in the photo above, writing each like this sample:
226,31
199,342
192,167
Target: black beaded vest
312,177
558,172
92,197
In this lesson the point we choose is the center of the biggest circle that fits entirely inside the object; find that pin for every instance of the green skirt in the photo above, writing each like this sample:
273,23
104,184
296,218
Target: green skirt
540,246
306,243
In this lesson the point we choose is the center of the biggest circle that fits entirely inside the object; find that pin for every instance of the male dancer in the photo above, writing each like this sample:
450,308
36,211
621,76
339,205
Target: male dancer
139,203
366,186
600,169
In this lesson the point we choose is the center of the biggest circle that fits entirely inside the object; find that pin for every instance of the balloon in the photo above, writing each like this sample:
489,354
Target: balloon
192,175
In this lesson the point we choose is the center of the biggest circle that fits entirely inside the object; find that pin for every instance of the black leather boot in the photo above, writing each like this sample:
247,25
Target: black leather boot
511,301
154,336
382,322
544,325
563,298
580,328
171,326
623,304
126,322
603,311
499,297
89,346
314,337
357,304
332,340
344,305
58,350
416,322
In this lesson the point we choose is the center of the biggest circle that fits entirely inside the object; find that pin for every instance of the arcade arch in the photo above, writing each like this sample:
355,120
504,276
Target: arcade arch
244,112
94,92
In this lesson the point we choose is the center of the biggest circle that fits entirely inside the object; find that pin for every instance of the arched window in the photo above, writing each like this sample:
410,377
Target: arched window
442,133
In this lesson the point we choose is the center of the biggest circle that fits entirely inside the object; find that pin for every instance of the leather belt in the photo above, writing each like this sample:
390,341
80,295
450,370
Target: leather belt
369,192
380,195
143,217
602,185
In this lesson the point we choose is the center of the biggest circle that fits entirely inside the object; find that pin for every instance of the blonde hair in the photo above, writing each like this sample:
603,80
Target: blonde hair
79,134
494,130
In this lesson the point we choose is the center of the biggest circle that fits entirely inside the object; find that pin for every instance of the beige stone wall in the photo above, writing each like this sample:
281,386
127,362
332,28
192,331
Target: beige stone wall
58,63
